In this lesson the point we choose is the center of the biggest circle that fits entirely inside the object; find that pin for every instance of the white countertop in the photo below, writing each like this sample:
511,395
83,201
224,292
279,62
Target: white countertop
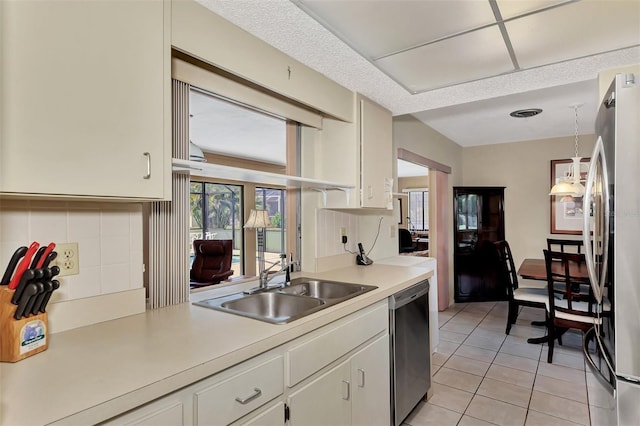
93,373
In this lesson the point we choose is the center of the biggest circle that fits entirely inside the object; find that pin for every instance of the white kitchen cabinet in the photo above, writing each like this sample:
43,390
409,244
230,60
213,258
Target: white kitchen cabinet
85,99
355,392
273,416
375,155
359,153
324,401
240,394
370,404
169,415
337,374
164,411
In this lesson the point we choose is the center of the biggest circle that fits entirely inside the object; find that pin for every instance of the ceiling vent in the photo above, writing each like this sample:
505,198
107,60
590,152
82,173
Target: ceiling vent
526,113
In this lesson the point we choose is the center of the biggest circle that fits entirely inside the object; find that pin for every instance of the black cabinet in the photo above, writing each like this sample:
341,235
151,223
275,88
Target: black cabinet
478,222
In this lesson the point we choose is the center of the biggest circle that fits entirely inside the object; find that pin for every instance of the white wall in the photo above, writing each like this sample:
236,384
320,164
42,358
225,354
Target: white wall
329,222
109,237
413,135
524,168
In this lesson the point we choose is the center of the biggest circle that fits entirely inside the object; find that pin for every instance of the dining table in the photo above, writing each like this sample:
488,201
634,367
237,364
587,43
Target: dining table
536,269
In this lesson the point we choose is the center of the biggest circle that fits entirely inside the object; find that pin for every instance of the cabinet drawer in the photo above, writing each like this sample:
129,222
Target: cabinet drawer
231,399
313,354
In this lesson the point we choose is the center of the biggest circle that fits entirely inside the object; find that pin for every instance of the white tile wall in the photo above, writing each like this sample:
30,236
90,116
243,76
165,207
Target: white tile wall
109,238
328,227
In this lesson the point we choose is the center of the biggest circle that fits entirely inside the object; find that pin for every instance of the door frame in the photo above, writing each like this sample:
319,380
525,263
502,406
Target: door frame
438,228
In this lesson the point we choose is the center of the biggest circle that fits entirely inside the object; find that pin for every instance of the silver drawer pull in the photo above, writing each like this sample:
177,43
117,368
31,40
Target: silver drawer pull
256,393
148,175
360,377
346,390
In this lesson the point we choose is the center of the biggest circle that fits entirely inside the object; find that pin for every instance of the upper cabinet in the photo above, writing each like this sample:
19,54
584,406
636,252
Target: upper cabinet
376,184
85,99
360,153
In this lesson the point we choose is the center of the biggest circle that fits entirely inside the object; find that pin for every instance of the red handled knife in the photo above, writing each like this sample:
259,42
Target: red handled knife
42,259
23,265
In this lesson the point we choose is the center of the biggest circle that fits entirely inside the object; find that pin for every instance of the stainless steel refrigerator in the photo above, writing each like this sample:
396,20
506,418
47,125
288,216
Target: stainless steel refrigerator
612,246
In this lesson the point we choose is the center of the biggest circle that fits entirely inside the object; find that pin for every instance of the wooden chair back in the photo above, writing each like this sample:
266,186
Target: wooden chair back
507,266
564,246
567,292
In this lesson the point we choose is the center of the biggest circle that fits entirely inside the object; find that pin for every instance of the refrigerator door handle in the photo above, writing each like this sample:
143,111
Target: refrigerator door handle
597,280
607,384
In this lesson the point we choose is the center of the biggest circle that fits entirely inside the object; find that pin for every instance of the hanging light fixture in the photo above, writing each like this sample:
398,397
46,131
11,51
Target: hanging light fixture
570,186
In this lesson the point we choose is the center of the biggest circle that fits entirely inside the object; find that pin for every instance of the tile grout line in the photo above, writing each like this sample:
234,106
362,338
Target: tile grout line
535,374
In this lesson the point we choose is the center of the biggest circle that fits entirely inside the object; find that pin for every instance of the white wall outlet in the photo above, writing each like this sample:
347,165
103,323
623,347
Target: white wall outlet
67,259
392,231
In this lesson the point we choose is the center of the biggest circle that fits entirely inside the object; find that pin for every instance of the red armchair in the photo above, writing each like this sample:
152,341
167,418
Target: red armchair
212,263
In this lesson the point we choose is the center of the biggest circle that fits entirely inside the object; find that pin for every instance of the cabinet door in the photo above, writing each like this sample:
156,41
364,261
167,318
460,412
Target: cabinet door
85,98
165,411
478,223
375,155
324,401
274,416
370,404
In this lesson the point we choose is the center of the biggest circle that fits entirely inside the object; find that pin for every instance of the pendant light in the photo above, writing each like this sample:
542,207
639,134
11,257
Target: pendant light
570,186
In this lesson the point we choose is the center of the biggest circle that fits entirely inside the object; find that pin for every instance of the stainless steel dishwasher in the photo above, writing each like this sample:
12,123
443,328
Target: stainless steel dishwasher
410,352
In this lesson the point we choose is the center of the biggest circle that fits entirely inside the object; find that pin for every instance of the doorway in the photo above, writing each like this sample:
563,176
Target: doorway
438,235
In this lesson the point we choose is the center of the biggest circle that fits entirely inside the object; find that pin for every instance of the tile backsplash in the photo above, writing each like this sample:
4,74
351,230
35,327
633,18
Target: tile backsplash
328,227
109,237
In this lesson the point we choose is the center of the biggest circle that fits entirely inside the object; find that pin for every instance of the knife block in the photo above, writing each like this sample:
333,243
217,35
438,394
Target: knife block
22,338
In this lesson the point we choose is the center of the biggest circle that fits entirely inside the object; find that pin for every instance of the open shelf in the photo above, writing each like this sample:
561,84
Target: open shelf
255,176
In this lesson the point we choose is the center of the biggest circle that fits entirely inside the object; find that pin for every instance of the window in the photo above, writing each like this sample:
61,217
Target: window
419,210
216,214
467,212
238,135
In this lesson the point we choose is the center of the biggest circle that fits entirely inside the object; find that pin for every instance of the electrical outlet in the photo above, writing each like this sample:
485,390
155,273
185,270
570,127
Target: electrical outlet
67,259
392,231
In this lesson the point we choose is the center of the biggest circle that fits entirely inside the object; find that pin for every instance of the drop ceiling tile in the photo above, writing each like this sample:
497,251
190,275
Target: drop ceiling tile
377,28
510,8
574,30
468,57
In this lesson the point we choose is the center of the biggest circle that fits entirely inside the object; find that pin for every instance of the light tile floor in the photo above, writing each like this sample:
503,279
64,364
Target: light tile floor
481,376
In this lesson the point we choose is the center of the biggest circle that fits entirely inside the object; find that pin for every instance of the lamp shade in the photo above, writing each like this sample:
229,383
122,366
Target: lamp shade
195,153
571,186
563,189
258,219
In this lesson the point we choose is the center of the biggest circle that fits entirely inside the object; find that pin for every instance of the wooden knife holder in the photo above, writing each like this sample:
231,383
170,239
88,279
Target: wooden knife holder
22,338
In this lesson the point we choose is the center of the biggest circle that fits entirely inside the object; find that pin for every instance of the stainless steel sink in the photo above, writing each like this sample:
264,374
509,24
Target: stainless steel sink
281,305
324,289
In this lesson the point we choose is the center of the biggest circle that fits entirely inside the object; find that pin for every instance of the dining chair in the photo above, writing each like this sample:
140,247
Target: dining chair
517,295
405,242
570,299
564,246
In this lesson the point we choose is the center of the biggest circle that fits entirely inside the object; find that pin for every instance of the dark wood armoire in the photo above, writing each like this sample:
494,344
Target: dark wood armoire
478,222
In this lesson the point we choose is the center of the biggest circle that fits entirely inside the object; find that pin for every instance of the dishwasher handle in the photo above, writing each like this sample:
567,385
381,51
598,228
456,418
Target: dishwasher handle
407,295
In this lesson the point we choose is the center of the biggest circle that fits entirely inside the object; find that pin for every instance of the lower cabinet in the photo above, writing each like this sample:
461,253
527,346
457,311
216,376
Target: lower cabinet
371,400
296,383
355,392
272,416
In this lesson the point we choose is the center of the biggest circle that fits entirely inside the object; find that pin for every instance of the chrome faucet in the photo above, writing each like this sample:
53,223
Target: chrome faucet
285,267
264,275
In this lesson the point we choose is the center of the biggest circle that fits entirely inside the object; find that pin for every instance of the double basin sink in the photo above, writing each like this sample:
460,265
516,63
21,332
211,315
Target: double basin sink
281,305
